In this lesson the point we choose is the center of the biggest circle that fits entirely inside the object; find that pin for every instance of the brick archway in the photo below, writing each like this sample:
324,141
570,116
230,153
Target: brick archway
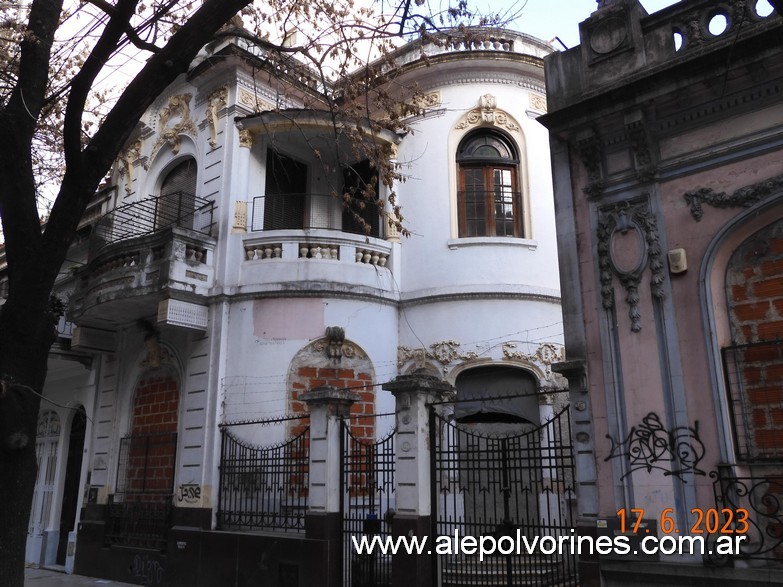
754,363
313,367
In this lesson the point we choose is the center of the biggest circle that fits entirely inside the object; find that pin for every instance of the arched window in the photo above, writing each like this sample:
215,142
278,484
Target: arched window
489,200
480,389
177,199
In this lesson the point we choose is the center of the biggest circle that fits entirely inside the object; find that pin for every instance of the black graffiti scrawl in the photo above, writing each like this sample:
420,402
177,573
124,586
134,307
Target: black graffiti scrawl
650,445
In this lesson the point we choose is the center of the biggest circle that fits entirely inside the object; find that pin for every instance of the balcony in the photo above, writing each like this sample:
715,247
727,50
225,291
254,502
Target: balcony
317,259
146,258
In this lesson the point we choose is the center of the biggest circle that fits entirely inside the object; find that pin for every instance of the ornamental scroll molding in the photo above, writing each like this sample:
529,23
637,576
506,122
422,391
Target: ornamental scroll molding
444,352
744,197
174,120
629,243
542,357
537,102
487,113
252,101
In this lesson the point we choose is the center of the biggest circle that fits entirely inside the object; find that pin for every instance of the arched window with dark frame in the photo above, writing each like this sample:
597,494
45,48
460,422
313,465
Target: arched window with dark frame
177,200
489,199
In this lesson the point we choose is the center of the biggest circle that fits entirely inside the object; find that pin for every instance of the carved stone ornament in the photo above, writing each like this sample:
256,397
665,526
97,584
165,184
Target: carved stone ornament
127,160
444,352
538,102
429,100
215,103
334,344
487,113
246,138
640,144
252,101
742,198
591,152
628,243
173,121
542,357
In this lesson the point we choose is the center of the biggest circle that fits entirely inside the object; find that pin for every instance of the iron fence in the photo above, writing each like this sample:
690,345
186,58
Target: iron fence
139,512
503,480
263,488
367,506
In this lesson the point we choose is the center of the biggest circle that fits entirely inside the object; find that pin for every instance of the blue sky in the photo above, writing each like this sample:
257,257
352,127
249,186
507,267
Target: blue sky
546,19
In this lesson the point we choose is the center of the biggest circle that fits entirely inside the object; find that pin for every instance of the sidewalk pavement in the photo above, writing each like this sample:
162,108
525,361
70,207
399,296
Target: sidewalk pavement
36,577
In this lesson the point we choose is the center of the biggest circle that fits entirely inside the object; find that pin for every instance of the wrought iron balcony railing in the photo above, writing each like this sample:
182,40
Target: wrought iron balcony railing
150,215
757,502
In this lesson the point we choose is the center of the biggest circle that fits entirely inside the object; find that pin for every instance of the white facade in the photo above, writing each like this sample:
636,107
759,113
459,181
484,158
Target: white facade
235,311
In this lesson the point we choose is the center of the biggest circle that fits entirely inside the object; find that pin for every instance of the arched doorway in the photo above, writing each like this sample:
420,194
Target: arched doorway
73,469
140,508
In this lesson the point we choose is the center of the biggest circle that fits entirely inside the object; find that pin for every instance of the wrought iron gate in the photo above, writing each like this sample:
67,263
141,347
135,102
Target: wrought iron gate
489,480
367,490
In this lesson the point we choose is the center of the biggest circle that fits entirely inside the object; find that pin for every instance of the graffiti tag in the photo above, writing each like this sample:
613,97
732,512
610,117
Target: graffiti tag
147,569
189,493
650,446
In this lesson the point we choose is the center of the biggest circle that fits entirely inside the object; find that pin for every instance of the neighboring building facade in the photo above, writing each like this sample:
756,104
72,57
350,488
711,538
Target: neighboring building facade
667,145
222,274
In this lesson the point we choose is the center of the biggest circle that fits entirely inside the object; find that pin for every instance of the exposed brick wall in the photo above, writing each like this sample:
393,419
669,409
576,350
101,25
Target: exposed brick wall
156,405
755,287
755,298
152,454
362,420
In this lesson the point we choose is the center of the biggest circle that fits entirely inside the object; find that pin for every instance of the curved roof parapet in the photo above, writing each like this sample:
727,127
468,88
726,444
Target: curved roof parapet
471,40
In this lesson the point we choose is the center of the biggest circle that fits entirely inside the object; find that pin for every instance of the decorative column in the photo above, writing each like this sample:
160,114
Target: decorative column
413,393
328,406
246,142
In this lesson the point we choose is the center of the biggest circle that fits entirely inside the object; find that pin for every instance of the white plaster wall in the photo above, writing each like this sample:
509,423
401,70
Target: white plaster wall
433,256
263,337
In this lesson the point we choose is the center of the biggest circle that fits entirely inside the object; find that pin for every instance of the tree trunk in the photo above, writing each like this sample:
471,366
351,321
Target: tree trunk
26,333
34,259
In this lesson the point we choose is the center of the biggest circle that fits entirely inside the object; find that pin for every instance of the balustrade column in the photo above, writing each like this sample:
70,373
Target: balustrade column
413,394
328,406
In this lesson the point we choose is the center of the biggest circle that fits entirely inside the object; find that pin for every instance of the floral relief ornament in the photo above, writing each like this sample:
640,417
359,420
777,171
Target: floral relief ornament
444,352
544,355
